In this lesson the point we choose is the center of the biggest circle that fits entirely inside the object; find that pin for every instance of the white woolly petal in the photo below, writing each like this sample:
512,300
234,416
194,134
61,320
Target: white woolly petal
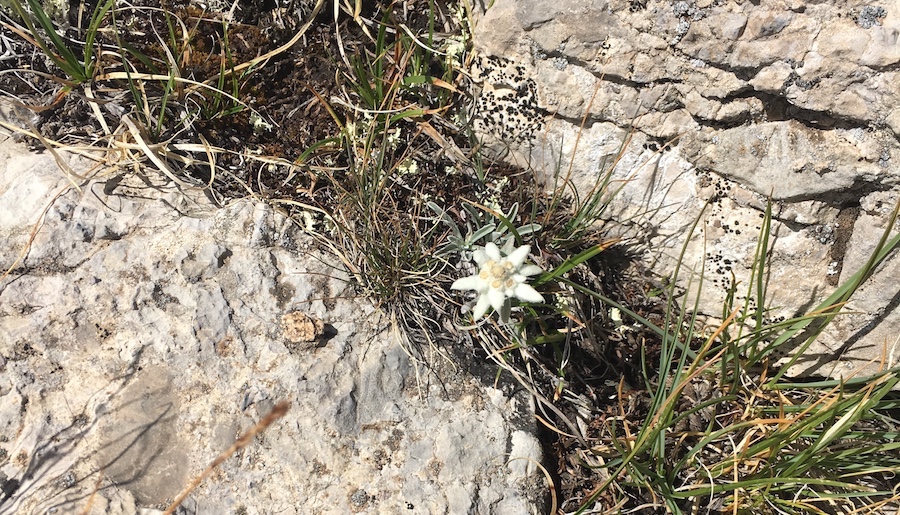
528,294
496,298
473,282
492,251
480,307
528,270
479,256
519,255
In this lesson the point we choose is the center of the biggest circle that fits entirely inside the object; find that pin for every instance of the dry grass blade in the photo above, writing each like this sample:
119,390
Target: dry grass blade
211,159
151,154
90,503
445,144
70,173
265,57
37,226
554,501
51,146
95,108
93,153
277,412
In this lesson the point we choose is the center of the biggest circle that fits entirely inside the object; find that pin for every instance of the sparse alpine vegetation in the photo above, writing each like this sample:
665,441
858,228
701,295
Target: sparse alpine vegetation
356,120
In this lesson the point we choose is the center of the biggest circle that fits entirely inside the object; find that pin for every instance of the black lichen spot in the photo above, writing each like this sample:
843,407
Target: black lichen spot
359,499
803,84
8,488
508,106
869,16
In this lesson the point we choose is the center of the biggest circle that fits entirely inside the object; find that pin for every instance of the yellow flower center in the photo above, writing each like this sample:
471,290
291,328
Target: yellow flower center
498,275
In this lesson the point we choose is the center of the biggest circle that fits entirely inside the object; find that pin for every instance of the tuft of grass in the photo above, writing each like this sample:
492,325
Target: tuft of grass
78,62
219,104
724,429
145,105
381,223
712,421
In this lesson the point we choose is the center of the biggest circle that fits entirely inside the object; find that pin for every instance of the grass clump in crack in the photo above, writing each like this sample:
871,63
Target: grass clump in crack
720,426
395,155
697,420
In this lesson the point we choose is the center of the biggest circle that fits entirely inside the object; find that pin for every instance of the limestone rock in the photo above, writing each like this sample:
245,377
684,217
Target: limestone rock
300,328
723,104
141,334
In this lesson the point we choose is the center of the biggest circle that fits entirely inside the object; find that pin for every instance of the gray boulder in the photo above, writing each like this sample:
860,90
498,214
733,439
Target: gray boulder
145,330
718,104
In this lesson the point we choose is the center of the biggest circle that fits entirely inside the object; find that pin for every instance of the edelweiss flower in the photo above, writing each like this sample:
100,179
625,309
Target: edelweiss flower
499,279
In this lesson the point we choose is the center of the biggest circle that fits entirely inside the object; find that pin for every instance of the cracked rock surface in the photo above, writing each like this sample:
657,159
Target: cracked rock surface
722,102
143,332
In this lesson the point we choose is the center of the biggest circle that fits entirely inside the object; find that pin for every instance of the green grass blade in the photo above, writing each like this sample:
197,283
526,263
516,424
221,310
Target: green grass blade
69,63
96,19
832,305
570,263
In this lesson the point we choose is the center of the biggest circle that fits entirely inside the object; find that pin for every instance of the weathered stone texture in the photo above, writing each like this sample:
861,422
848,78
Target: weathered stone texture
725,102
143,333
